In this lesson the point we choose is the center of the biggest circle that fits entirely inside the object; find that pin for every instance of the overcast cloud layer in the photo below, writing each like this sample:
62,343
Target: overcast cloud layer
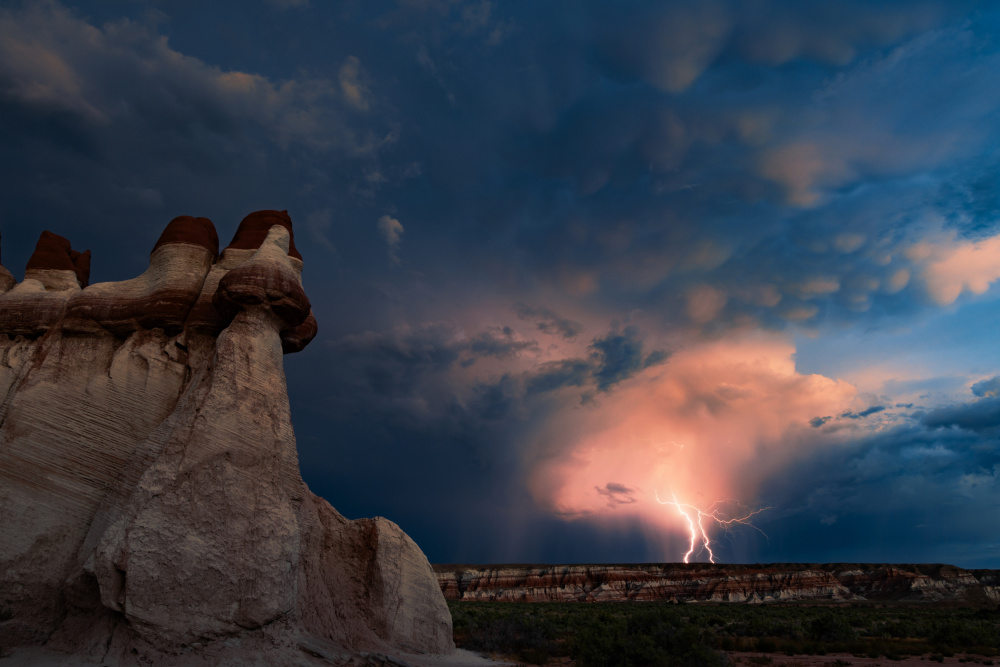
568,257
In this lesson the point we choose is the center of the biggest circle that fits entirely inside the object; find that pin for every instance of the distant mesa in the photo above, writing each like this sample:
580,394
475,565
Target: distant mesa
710,582
153,510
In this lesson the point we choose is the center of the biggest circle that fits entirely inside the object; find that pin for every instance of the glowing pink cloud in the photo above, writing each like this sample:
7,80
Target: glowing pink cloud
705,427
957,267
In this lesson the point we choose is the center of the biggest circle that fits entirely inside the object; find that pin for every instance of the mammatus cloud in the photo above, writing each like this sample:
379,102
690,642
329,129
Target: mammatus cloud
956,267
775,34
804,169
832,147
391,230
673,46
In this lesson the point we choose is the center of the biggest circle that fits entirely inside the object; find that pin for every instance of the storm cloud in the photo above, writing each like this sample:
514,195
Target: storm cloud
564,254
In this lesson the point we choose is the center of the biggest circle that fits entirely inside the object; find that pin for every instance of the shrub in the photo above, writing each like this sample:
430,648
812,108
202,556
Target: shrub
766,645
831,628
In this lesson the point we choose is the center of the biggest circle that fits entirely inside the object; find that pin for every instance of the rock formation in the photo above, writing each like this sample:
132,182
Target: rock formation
152,507
701,582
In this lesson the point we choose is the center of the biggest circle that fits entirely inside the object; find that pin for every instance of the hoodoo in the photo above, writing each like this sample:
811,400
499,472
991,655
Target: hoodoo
153,510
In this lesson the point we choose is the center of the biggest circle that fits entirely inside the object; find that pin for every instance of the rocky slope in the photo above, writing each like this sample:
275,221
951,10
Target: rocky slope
153,510
720,583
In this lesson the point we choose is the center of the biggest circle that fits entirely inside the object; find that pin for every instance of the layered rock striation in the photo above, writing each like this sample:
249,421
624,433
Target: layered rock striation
153,510
721,583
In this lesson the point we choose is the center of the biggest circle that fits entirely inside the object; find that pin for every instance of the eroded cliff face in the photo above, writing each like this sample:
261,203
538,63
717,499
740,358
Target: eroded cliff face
720,583
152,505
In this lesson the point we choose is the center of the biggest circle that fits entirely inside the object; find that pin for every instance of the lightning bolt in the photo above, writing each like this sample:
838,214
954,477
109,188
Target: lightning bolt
696,518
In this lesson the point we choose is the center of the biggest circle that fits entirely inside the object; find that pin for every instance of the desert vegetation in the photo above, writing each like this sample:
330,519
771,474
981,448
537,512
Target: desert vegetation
668,635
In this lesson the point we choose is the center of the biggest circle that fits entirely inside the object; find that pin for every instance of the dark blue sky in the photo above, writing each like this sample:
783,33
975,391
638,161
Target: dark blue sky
571,257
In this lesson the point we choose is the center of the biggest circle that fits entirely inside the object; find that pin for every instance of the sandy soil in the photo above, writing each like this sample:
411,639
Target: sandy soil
760,660
461,658
740,659
39,657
